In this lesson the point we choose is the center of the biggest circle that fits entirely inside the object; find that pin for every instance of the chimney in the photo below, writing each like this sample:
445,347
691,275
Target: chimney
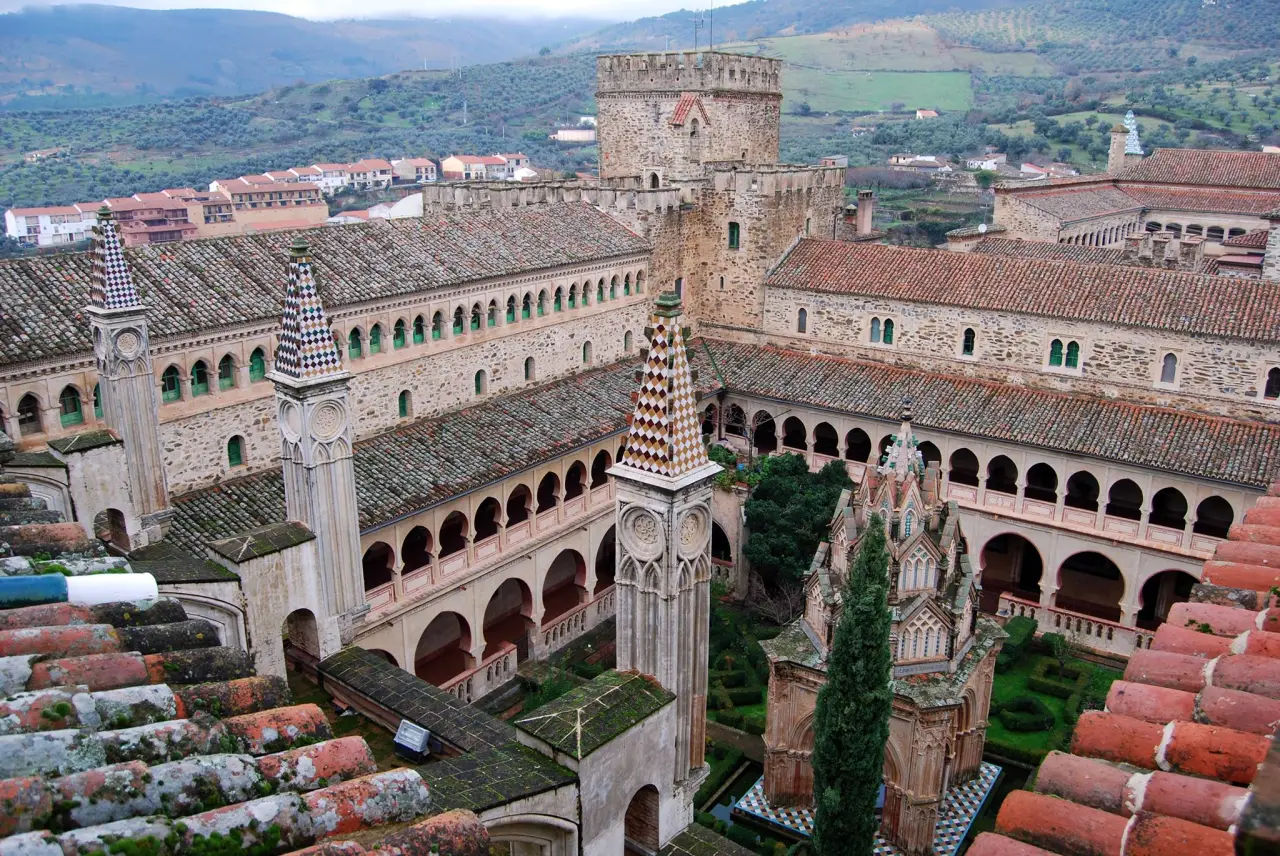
1271,256
1133,248
1115,155
1159,247
1191,253
866,209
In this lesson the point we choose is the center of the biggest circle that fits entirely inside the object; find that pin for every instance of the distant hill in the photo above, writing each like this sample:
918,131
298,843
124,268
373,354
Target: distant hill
94,55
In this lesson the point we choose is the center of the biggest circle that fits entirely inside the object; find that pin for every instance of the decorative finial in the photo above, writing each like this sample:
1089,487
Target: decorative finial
906,408
1131,144
299,247
112,283
307,350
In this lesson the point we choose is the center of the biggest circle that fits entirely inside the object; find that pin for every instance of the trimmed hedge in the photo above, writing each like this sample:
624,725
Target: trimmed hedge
730,678
1018,754
1021,630
1026,713
746,696
731,718
1079,675
739,834
753,723
720,774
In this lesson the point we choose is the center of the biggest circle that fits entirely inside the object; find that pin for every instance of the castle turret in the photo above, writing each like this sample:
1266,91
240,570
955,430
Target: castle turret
1115,153
316,448
664,535
126,382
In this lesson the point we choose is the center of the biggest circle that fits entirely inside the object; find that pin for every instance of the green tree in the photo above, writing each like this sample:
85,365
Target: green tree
788,514
851,723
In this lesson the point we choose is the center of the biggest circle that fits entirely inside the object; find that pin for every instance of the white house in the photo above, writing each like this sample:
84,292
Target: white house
50,226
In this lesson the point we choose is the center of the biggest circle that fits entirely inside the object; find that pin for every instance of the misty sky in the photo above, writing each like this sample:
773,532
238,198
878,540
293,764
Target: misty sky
329,9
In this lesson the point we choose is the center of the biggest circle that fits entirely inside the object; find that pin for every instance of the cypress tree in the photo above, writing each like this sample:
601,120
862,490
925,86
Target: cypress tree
851,723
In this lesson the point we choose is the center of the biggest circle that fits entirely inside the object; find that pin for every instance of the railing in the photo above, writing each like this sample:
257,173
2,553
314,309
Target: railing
493,671
381,595
453,563
1083,520
519,532
1098,634
575,506
418,578
487,547
573,623
547,520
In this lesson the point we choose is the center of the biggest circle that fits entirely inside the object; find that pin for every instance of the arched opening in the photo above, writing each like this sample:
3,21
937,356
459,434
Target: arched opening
1153,226
586,353
1042,483
542,303
437,326
491,316
375,339
511,309
97,406
710,419
653,181
488,518
226,373
575,480
398,339
600,291
802,321
1214,517
626,285
526,306
721,549
640,825
530,369
929,453
1010,563
257,365
508,617
70,410
1091,584
378,563
199,378
170,385
600,470
419,330
481,382
557,302
857,445
108,527
1169,508
628,342
416,549
1160,593
613,287
453,534
1272,388
1125,500
565,585
968,342
963,468
548,492
794,435
235,451
459,321
355,345
475,316
1174,228
639,282
825,440
766,433
444,649
886,443
1215,233
1082,491
606,561
1169,368
519,505
735,421
300,631
1002,475
404,404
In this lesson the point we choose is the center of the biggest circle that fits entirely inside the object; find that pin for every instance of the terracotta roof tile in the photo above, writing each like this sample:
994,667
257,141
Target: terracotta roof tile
1068,205
1049,251
1208,167
1255,240
1208,200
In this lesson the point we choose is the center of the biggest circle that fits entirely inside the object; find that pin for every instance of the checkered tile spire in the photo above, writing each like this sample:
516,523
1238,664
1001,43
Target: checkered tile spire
665,436
306,349
112,284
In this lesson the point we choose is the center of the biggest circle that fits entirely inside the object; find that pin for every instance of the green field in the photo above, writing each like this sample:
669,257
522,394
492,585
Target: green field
876,90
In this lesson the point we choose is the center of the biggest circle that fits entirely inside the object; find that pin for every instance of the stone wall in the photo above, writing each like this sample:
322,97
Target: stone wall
1214,374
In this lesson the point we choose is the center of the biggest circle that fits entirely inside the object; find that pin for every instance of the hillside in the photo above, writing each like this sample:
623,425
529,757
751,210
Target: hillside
74,56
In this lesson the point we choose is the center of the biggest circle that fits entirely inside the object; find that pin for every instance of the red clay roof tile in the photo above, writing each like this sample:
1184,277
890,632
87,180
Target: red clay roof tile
1210,167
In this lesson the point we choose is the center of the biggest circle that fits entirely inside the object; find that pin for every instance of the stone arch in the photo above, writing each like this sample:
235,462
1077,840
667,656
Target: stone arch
508,618
519,505
929,453
800,735
1010,562
227,374
170,386
488,518
444,649
1159,593
1214,516
575,480
1002,475
386,655
491,314
1124,499
1042,483
1090,583
765,432
794,435
710,419
735,421
857,445
415,551
721,546
378,565
70,406
606,560
477,317
110,528
963,467
548,492
257,365
1168,508
541,834
301,631
825,440
1082,491
564,586
600,469
453,534
640,823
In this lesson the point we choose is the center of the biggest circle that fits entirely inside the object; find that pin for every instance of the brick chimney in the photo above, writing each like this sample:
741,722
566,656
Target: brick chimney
866,210
1159,248
1115,154
1137,249
1191,253
1271,256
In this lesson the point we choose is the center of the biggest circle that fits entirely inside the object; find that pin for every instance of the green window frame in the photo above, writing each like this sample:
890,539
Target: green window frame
511,310
475,317
970,340
573,296
600,292
888,331
557,302
199,379
235,451
257,366
437,326
526,307
528,368
71,411
1073,355
226,373
97,400
735,235
397,336
171,384
586,353
482,382
355,348
542,303
459,321
402,404
491,318
375,339
1055,353
626,285
419,330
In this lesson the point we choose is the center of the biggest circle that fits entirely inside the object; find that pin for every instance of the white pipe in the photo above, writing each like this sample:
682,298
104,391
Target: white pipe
93,589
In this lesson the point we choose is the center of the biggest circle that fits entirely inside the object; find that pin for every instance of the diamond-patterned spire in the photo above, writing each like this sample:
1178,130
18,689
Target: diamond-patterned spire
306,349
903,457
1132,146
665,436
112,284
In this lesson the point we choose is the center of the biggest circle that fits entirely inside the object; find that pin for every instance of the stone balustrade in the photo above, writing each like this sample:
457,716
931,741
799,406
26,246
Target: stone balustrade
570,625
1098,634
494,671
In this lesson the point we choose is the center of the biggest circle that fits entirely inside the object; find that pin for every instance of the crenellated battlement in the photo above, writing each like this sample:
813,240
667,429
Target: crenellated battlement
776,178
501,195
687,71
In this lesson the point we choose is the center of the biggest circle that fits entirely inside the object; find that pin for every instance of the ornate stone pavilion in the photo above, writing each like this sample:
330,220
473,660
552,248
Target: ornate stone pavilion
944,653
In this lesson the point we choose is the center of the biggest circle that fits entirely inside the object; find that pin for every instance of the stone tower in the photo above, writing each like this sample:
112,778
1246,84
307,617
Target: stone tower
316,446
664,535
126,383
663,116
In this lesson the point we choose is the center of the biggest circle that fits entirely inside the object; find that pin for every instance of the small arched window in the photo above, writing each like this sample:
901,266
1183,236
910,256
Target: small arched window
573,296
404,404
1272,389
735,236
199,378
875,331
475,316
558,303
888,331
542,303
530,372
640,282
437,325
355,344
398,337
29,421
257,365
586,353
511,309
482,382
613,288
600,292
693,128
628,342
908,520
526,307
626,284
419,330
969,341
802,321
97,402
1073,355
71,411
226,372
235,451
1169,368
171,384
459,321
1055,352
375,339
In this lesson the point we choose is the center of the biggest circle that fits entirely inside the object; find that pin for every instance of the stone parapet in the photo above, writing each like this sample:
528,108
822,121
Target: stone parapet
687,71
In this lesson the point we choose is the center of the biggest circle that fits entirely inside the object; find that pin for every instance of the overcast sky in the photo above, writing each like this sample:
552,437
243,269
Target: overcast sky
329,9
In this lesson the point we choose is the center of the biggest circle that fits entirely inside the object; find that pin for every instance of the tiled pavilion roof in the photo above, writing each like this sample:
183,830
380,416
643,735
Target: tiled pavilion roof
1209,167
1182,761
1083,203
1147,298
1255,240
192,286
1049,251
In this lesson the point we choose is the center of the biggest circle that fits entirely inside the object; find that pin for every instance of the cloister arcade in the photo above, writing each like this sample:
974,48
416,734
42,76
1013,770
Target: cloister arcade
1063,531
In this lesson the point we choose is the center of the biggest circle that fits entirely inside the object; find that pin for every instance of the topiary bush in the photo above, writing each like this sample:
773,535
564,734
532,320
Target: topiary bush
1026,713
731,679
744,696
753,723
1020,629
731,718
